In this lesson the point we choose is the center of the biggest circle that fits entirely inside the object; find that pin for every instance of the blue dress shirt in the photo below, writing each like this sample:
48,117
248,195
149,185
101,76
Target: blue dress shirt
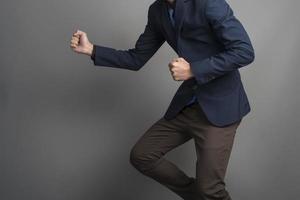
172,14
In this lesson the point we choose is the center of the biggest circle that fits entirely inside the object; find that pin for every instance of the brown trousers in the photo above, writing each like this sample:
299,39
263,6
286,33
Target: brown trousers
213,147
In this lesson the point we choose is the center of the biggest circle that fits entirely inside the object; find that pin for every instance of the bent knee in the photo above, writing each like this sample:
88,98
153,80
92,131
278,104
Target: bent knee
142,159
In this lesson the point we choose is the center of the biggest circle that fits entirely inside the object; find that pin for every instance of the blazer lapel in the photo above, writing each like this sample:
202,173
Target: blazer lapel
166,23
179,15
173,32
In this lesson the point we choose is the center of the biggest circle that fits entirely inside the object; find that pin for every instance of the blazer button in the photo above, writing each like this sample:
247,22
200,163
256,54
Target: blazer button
195,87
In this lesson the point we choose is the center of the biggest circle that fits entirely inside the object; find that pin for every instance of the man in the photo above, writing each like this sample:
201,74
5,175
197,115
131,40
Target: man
210,103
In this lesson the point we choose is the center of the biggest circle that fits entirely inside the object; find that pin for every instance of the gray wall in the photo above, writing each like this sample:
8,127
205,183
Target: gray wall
67,126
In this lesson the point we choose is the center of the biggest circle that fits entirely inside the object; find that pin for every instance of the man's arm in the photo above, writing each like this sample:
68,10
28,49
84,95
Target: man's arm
132,59
230,32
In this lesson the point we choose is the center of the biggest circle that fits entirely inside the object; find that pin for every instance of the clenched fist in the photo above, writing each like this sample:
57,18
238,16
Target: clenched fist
180,69
80,43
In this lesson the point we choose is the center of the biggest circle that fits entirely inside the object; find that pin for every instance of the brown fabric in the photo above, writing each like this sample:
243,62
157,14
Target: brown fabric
213,147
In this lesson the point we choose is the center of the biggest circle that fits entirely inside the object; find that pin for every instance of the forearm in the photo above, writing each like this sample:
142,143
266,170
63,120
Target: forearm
110,57
221,63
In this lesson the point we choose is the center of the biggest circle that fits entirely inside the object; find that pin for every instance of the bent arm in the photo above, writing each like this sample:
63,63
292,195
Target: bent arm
238,50
135,58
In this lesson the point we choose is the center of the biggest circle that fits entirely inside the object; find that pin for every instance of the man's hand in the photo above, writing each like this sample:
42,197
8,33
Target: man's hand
81,44
180,69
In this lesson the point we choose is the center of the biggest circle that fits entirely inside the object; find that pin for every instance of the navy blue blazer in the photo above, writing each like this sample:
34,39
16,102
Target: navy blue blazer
211,39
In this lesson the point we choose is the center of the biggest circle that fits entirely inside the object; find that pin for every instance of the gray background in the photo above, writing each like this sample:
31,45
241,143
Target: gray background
67,126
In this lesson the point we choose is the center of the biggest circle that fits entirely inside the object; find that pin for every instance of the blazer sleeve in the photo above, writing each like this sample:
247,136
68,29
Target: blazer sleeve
238,50
135,58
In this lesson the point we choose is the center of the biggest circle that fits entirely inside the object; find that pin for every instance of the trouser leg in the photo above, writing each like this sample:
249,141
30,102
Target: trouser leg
213,147
147,156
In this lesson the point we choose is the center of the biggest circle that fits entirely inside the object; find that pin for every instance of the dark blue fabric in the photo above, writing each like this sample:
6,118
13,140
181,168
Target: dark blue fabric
211,39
